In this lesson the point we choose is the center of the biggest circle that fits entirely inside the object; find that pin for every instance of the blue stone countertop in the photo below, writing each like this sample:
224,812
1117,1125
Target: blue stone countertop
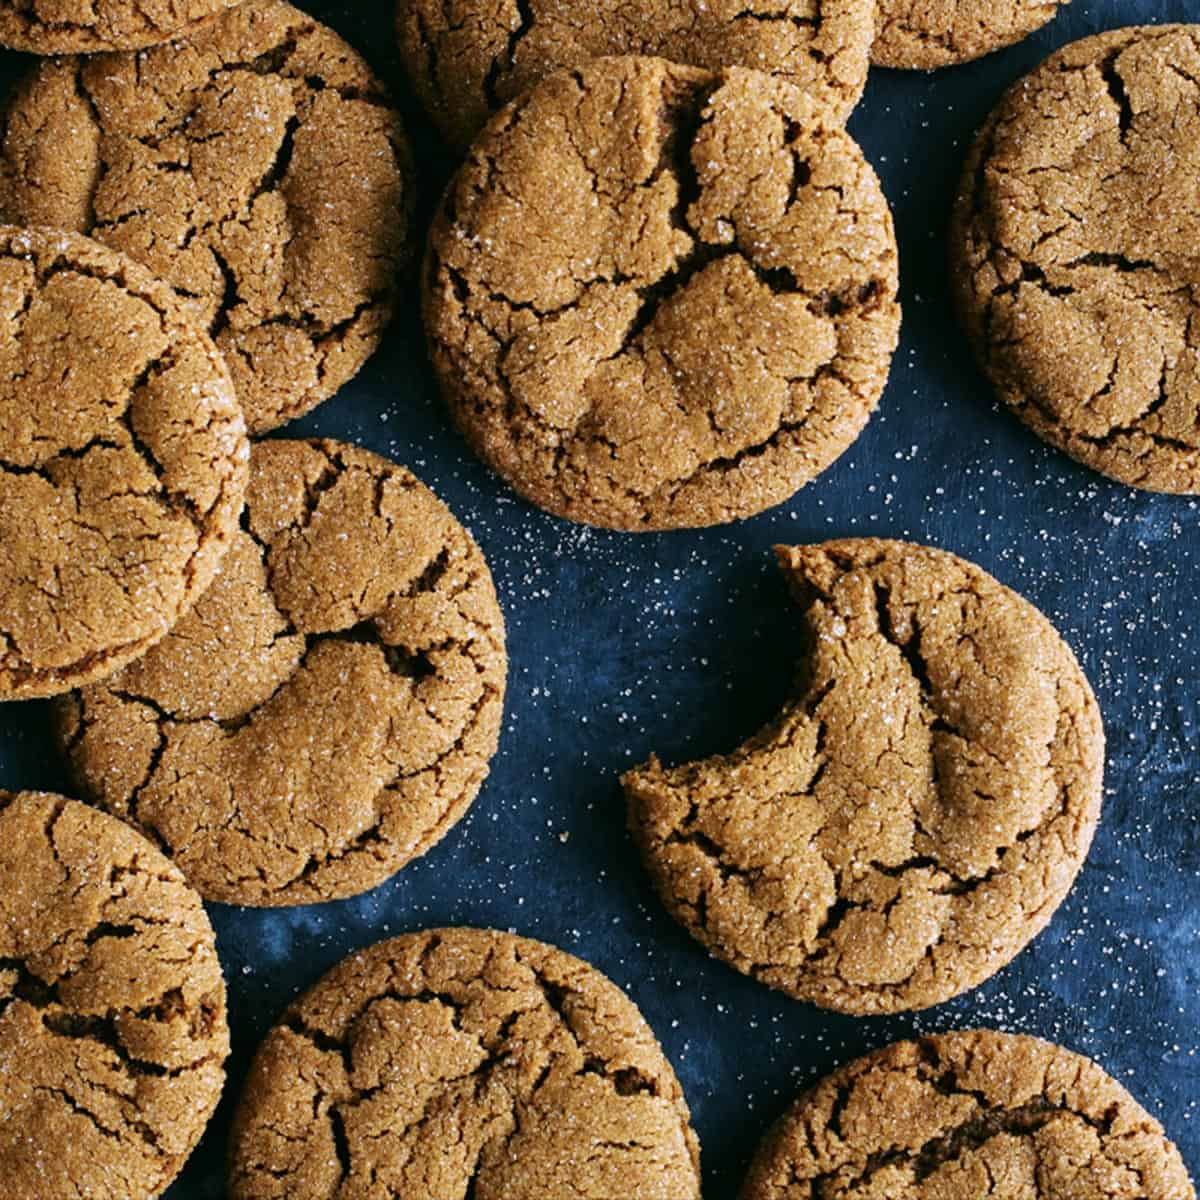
684,643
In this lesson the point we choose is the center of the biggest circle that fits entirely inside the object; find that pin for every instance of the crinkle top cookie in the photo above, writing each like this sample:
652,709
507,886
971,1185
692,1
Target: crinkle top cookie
914,816
256,166
113,1031
938,33
1075,259
470,57
122,461
328,709
960,1116
89,26
463,1063
658,296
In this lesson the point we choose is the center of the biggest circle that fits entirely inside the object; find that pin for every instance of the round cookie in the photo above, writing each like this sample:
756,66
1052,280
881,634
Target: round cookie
925,34
470,59
463,1063
914,816
328,709
658,296
89,26
1074,253
113,1034
958,1116
122,461
257,167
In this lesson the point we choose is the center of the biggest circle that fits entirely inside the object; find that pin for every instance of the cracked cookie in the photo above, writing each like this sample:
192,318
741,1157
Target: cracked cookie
113,1034
328,709
926,34
914,816
658,296
88,26
1074,253
257,167
122,461
469,59
968,1116
463,1063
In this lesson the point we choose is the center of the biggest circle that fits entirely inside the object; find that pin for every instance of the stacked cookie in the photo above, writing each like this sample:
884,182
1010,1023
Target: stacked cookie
660,292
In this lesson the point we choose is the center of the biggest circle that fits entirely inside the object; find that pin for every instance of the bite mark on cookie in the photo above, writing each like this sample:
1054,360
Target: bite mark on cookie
914,817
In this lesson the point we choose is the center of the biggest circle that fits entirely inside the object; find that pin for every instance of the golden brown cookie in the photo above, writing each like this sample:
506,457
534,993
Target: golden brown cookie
113,1035
88,26
960,1116
914,816
470,58
122,461
257,167
658,296
328,709
463,1063
924,34
1075,258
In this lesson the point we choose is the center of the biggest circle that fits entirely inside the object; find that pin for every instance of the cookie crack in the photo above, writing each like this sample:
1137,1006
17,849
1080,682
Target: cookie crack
1115,82
23,986
503,64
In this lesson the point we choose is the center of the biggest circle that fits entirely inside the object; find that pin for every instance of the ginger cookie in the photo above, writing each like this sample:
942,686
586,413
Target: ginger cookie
328,709
462,1063
658,296
88,26
468,60
113,1034
122,461
925,34
1075,257
959,1116
257,167
914,816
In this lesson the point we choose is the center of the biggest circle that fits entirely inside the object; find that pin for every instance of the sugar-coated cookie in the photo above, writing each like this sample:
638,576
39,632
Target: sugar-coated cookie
658,296
328,709
1074,253
924,34
469,59
960,1116
463,1063
89,26
113,1031
122,461
256,166
914,816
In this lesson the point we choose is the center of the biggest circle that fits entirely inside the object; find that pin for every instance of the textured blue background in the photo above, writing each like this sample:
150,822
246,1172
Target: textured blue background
683,643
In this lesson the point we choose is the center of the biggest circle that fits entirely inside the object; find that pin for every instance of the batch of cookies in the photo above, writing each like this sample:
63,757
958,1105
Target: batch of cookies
660,293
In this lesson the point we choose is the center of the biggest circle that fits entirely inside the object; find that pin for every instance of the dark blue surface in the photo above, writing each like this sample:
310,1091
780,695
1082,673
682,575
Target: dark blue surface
682,643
